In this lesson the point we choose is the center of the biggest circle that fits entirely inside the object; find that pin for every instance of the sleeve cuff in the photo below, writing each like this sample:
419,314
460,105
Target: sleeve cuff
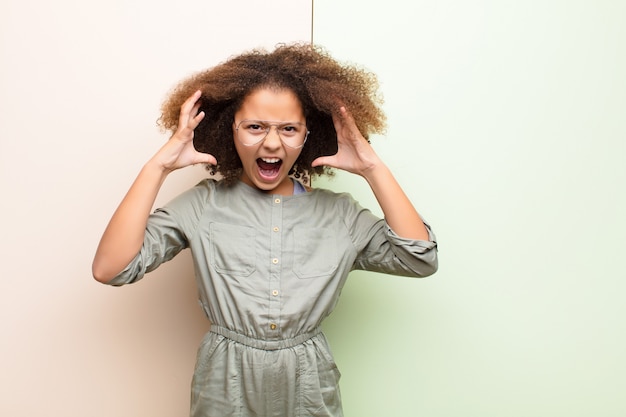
423,245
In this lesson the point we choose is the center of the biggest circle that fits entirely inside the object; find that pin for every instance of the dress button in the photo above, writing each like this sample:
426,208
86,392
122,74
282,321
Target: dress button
274,261
277,201
273,326
275,293
275,229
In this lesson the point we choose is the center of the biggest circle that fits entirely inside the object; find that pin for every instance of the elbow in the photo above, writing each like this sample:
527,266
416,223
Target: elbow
422,269
109,273
433,264
427,267
430,269
99,276
100,272
105,269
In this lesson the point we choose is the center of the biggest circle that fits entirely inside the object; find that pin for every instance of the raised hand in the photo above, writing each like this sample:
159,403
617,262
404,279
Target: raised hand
179,151
124,235
354,153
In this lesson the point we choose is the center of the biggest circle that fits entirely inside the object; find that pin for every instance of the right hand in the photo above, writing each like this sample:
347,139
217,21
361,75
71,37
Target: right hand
179,151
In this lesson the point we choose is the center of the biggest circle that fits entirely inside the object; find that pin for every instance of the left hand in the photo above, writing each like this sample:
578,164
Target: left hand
354,153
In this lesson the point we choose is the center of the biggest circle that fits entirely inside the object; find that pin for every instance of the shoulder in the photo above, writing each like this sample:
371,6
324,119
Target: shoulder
326,194
195,197
337,201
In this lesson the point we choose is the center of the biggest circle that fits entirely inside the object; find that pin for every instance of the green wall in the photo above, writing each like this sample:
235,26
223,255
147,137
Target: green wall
507,127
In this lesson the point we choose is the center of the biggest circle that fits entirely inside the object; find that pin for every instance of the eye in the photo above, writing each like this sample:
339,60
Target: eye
254,127
290,130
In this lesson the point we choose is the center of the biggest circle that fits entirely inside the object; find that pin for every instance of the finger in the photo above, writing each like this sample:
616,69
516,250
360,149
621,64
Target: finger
346,127
337,121
343,121
193,123
187,107
196,109
338,102
191,101
347,118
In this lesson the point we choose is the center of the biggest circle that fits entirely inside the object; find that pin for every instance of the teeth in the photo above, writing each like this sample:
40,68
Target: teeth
270,160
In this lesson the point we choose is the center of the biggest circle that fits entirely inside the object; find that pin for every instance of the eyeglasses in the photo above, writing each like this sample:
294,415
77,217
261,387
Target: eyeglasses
252,132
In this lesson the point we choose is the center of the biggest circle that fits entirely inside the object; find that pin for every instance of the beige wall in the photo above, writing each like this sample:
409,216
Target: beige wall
80,89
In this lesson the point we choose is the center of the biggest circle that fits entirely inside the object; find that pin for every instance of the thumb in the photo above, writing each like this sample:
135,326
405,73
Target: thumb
322,160
206,158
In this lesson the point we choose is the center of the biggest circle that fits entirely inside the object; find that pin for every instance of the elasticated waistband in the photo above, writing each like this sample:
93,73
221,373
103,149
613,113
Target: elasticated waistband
264,344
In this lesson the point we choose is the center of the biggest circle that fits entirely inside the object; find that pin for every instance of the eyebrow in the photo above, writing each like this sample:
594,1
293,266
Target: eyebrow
272,121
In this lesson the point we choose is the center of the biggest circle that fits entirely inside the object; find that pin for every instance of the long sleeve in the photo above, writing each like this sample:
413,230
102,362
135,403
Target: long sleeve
167,233
379,249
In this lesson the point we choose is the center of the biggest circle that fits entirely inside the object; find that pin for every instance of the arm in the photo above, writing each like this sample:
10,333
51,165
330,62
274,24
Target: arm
124,235
355,155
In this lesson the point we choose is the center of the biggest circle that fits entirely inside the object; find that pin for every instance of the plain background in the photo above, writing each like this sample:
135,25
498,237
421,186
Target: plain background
81,87
506,128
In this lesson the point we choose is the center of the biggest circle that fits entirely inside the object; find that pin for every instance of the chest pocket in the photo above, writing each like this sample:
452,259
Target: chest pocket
232,249
315,252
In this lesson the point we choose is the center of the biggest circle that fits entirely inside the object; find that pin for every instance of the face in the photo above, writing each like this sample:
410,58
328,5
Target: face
266,165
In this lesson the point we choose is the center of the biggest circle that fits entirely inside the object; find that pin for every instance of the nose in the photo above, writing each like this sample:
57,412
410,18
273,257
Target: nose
272,139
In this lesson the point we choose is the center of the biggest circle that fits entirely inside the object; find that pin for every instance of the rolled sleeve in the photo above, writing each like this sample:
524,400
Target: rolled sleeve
389,253
162,241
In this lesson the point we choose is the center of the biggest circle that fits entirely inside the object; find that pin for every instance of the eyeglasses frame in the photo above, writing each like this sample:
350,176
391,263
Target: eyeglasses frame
271,124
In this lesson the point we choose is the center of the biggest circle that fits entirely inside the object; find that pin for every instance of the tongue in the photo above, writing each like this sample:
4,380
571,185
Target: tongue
267,165
268,169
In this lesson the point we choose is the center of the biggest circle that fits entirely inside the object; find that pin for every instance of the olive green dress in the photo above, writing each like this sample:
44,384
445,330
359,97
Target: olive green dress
270,269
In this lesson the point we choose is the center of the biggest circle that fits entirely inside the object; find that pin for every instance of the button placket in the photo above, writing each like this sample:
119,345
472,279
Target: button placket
275,265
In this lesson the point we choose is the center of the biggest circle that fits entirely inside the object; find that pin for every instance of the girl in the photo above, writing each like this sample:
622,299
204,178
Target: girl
270,254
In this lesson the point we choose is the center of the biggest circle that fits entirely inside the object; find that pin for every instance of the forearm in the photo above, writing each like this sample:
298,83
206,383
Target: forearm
399,212
124,235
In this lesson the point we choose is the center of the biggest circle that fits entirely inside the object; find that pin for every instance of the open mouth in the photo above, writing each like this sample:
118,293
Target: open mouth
269,168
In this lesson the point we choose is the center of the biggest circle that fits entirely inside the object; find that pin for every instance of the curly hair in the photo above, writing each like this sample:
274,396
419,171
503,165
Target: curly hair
321,83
